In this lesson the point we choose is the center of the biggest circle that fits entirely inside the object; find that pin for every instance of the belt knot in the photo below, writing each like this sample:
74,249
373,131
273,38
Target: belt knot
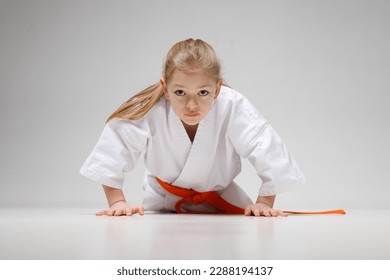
198,198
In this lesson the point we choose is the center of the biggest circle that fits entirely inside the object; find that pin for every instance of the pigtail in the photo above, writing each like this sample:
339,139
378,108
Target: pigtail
140,104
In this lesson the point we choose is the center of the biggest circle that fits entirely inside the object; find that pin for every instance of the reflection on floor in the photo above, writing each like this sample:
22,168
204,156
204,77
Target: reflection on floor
59,233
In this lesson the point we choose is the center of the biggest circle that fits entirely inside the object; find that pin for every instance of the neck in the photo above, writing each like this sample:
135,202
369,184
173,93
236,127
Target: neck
191,130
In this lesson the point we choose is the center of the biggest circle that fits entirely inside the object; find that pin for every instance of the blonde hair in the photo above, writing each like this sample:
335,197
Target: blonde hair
184,55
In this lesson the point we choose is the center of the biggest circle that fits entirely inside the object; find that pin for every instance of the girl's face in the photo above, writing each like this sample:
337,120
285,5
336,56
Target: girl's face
191,94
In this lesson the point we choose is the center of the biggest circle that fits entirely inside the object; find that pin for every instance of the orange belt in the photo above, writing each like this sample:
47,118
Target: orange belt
211,197
337,211
214,199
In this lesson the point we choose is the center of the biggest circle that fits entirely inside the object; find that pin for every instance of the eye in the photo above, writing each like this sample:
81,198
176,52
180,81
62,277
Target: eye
180,92
203,93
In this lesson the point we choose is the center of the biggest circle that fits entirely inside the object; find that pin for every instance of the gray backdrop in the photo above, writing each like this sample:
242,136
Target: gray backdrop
317,70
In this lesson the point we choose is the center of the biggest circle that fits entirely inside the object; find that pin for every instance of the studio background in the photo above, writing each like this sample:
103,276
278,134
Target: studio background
317,70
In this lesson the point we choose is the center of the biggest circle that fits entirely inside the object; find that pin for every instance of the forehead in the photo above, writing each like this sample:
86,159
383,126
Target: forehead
191,78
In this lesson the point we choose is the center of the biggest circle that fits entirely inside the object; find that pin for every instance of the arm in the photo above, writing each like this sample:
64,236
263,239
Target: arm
264,207
254,139
117,204
113,195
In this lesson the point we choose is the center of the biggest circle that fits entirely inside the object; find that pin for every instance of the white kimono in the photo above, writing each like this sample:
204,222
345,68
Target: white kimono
233,129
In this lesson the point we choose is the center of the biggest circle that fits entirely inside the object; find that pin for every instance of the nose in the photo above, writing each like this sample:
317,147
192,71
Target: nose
191,104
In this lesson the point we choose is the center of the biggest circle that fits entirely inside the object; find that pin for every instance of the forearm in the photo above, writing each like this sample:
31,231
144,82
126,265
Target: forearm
113,195
269,200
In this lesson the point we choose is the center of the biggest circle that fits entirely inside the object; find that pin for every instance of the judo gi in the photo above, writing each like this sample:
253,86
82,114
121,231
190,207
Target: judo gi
233,129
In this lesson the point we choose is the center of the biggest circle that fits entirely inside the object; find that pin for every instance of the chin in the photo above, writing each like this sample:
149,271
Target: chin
191,122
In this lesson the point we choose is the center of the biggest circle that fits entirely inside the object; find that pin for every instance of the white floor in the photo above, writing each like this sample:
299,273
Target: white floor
58,233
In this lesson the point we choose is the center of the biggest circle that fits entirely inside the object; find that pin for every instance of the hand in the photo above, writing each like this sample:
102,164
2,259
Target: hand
263,209
121,208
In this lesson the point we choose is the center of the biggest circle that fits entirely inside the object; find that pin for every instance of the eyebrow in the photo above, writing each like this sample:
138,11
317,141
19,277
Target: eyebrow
181,86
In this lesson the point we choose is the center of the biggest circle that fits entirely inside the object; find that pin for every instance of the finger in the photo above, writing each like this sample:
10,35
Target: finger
141,210
283,214
280,213
118,212
100,213
267,213
256,212
248,211
108,213
129,212
273,213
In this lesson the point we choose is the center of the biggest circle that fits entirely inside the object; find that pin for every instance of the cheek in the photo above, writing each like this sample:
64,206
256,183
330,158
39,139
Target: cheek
206,103
178,102
177,105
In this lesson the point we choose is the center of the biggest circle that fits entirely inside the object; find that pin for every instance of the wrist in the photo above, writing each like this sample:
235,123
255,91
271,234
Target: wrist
267,200
264,203
117,201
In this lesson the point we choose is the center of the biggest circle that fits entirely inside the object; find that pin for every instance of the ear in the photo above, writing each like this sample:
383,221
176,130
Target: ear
218,88
164,86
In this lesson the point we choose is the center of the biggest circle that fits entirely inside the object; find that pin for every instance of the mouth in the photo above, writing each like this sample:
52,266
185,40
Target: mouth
192,115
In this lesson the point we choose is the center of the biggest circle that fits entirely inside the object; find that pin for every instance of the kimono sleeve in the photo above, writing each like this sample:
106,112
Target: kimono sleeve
116,152
255,139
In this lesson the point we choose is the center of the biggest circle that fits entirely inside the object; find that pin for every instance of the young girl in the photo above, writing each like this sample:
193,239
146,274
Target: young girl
194,132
